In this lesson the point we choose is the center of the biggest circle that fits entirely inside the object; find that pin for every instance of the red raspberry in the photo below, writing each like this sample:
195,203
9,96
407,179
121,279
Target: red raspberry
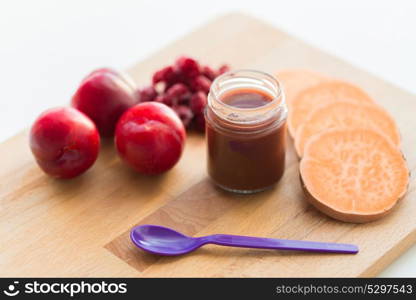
200,83
208,72
177,77
184,113
187,66
164,75
147,94
199,122
184,100
169,101
198,102
184,87
160,99
223,69
177,91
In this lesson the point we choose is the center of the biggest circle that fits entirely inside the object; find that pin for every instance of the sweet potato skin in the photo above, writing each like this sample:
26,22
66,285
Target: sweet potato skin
341,216
352,217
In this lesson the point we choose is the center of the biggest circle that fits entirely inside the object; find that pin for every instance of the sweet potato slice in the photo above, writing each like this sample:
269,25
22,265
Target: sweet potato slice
346,115
326,92
353,175
296,80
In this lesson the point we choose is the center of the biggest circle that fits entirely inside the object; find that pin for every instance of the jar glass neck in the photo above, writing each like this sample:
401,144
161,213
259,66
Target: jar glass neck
274,110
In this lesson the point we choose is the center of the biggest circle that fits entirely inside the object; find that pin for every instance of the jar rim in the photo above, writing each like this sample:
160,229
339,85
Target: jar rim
252,78
270,77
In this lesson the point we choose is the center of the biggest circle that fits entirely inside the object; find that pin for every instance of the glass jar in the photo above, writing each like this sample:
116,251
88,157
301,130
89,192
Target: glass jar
246,131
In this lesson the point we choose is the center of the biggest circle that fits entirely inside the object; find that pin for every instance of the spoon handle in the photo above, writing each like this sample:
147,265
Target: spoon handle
279,244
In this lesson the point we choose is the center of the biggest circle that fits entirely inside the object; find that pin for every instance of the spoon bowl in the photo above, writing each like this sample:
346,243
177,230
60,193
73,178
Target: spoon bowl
162,240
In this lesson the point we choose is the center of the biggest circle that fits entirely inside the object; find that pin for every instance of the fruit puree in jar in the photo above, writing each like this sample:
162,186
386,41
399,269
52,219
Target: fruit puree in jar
246,152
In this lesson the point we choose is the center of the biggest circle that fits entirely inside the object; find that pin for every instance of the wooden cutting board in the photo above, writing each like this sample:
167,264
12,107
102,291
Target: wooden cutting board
80,227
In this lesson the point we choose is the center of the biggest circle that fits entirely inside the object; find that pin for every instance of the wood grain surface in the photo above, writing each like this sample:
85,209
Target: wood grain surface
80,227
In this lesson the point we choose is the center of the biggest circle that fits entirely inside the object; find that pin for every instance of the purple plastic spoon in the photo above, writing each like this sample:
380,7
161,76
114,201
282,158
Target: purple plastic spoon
165,241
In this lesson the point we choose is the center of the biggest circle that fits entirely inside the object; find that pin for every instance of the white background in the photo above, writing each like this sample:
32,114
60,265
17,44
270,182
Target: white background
46,47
